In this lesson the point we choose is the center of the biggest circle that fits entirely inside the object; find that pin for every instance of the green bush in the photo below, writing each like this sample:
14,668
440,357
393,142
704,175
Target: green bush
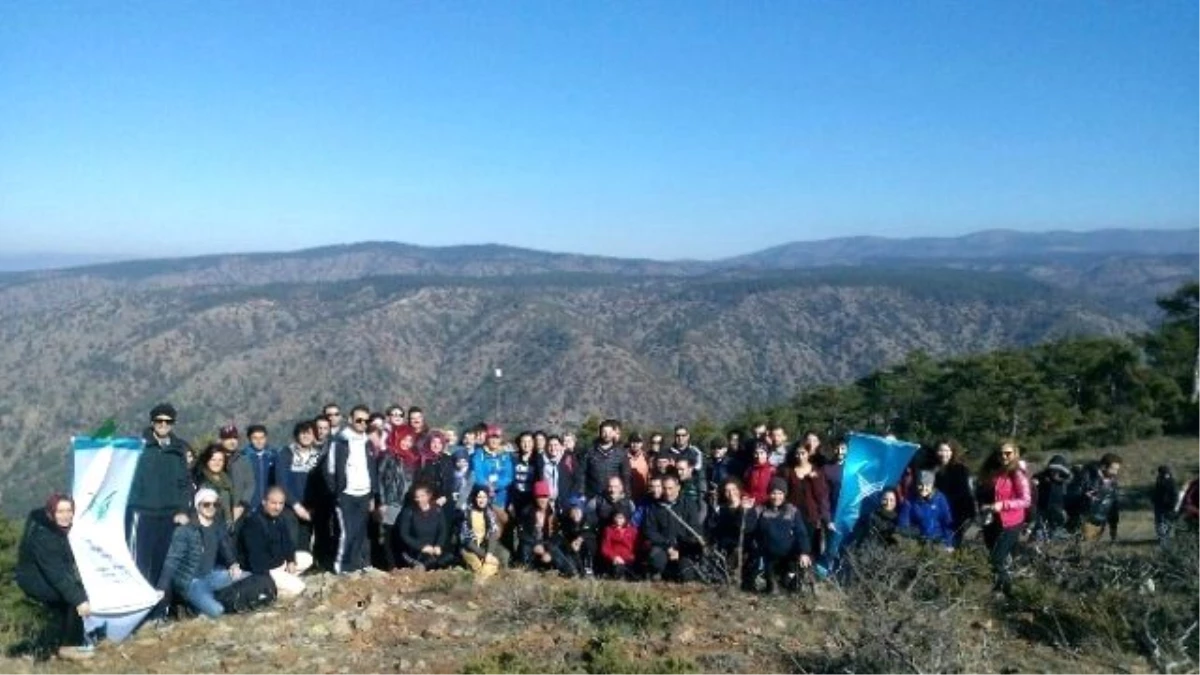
604,654
620,609
21,620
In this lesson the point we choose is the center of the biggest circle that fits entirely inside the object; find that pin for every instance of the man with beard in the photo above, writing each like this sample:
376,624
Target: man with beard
604,460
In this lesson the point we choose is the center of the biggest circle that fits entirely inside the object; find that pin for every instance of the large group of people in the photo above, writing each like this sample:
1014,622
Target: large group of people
386,491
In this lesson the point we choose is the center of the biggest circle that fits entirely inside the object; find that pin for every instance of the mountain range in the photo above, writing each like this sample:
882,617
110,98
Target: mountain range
268,337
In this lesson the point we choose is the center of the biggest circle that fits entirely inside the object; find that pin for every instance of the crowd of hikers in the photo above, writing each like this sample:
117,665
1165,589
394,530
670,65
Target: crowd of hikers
243,518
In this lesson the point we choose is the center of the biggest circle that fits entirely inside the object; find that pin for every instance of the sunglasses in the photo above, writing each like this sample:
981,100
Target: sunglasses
208,505
360,420
164,421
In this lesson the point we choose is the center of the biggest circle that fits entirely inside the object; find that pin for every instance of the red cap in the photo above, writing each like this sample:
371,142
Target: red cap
541,489
494,430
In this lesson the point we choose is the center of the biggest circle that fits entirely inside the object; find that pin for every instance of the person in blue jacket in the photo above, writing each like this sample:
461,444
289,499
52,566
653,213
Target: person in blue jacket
782,540
493,467
263,459
928,514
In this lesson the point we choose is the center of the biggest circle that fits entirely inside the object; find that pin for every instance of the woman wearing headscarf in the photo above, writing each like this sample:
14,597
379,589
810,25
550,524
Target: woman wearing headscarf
47,573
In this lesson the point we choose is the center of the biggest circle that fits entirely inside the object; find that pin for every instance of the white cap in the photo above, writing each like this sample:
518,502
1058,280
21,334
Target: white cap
205,495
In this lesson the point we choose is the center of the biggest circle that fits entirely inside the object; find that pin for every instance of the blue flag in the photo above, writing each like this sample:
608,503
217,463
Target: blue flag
872,464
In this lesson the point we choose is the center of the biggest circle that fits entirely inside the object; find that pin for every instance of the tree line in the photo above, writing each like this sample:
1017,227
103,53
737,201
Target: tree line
1067,394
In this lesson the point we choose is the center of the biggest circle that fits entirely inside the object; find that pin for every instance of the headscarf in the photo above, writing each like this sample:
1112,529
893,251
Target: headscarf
52,503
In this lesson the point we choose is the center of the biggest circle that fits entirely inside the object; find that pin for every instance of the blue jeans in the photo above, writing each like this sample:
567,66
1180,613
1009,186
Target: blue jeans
200,591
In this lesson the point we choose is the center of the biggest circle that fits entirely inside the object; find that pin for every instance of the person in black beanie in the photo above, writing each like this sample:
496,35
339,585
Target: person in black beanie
160,496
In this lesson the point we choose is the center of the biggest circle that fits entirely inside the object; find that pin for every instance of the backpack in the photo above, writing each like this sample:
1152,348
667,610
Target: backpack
251,593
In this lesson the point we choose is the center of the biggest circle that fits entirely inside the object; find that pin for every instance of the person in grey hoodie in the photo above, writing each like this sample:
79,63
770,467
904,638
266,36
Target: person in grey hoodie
240,471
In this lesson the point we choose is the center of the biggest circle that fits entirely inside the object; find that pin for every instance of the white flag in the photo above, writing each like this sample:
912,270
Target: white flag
118,594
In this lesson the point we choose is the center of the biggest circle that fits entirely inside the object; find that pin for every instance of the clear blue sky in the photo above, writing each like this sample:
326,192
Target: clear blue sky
665,129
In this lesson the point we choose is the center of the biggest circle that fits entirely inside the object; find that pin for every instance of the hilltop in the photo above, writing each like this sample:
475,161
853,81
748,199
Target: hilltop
1074,611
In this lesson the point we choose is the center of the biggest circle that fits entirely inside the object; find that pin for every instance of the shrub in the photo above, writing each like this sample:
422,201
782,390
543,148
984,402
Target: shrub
607,607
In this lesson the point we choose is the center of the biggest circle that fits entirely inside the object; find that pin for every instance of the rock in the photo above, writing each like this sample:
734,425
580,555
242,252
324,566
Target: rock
341,628
376,610
685,635
437,629
427,603
404,666
472,606
362,624
318,630
779,623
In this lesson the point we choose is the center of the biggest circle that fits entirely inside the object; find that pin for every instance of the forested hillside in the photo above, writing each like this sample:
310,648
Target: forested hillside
1065,394
648,350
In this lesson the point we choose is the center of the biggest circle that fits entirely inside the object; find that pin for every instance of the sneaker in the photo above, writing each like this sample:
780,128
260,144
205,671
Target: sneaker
80,653
587,572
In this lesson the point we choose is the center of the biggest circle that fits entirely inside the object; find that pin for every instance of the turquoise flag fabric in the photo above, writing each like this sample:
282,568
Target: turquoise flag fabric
872,464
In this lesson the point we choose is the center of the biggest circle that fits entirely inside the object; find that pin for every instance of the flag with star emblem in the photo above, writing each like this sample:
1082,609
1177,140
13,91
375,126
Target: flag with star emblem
872,464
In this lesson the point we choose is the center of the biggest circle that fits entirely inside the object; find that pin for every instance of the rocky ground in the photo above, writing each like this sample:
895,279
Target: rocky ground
525,622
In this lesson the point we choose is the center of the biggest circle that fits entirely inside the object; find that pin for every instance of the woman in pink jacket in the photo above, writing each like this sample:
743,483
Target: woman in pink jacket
1006,499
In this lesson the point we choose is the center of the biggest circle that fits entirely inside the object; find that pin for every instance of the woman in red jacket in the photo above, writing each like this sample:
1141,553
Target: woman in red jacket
618,545
758,476
1007,487
808,491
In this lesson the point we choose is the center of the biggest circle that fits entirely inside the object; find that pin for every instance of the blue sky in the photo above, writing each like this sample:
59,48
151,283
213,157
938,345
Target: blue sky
667,129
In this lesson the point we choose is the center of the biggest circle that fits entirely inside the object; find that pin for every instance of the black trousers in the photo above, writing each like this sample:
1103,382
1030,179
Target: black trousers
574,563
683,569
780,571
429,562
1000,543
66,628
149,539
384,545
353,515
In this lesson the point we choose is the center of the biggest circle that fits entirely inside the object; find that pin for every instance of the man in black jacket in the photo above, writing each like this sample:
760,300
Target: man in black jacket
160,496
558,469
267,545
1098,503
353,481
202,559
672,529
682,448
604,460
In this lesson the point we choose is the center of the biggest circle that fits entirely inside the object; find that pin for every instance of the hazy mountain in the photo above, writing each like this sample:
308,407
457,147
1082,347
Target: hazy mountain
990,244
1127,268
647,349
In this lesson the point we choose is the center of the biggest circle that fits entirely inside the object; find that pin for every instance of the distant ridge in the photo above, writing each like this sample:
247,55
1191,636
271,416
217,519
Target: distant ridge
996,243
